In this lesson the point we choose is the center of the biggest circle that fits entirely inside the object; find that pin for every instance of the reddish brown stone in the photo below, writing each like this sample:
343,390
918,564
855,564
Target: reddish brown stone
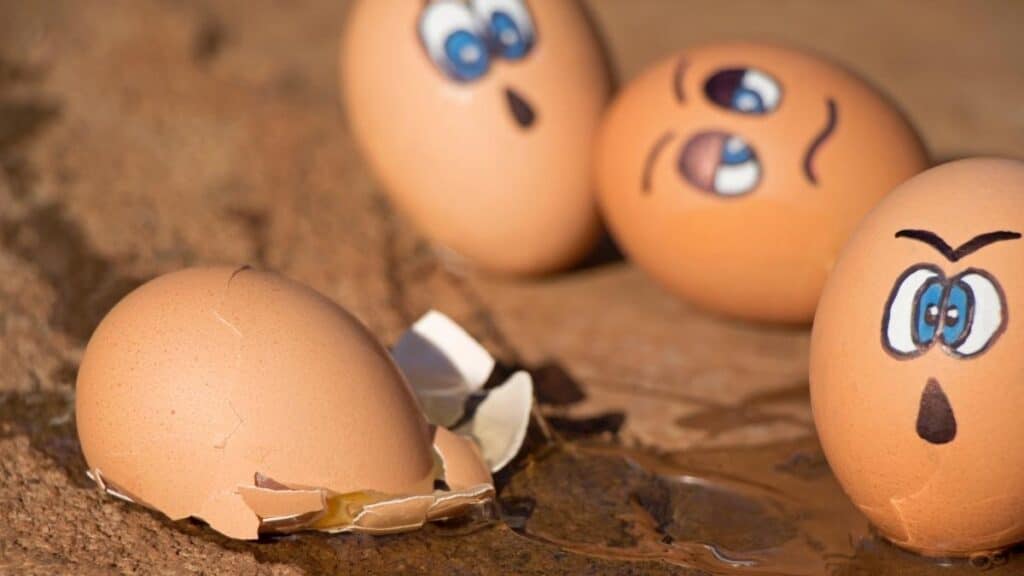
141,136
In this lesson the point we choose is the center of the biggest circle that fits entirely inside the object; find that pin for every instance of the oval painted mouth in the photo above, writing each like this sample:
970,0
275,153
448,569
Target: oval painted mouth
520,108
936,423
819,140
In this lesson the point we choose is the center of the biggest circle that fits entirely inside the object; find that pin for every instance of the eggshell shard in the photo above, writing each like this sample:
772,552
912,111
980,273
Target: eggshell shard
732,173
201,382
916,365
447,369
501,420
444,365
97,476
284,509
493,162
463,465
282,504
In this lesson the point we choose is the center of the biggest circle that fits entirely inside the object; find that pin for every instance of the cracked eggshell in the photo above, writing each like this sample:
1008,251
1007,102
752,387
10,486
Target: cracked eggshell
443,364
200,379
921,422
463,464
447,369
732,173
493,164
501,420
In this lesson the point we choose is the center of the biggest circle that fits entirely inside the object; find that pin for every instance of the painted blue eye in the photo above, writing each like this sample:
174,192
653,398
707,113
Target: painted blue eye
748,101
466,55
736,151
508,40
453,38
957,315
967,313
736,170
744,90
926,320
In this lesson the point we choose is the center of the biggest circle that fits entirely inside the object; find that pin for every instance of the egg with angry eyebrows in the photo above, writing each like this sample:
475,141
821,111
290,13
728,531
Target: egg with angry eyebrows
917,366
477,117
733,173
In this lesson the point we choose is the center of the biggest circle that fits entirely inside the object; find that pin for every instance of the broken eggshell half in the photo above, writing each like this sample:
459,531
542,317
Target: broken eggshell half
258,405
448,369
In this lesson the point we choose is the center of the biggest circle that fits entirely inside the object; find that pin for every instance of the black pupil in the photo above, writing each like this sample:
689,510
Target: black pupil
721,87
932,315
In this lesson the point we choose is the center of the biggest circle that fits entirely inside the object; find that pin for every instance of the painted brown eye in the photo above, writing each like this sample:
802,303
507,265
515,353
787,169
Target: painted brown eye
720,163
744,90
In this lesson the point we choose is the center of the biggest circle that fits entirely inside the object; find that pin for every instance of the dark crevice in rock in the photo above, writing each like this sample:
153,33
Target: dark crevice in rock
208,40
12,72
553,386
87,285
257,226
21,120
45,238
46,418
575,428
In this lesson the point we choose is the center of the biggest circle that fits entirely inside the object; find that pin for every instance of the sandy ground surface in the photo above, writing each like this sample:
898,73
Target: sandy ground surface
141,136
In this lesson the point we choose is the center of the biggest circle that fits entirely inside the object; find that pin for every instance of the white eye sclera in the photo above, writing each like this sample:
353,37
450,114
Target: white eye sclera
509,25
461,39
720,163
451,35
966,313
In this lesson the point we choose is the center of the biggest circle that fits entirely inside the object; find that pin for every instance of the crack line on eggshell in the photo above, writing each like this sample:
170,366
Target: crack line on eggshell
216,311
223,443
224,321
897,503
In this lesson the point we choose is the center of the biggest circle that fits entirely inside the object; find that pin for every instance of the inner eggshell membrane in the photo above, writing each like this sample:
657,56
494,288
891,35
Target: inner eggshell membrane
256,404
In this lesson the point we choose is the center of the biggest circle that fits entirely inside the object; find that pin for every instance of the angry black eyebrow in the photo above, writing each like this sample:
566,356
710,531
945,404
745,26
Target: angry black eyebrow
967,248
677,79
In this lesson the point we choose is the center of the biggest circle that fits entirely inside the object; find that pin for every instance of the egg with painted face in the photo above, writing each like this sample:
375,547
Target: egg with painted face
916,364
478,118
733,173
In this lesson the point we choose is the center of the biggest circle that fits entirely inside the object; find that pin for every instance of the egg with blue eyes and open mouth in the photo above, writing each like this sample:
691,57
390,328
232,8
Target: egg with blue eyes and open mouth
478,119
916,368
732,173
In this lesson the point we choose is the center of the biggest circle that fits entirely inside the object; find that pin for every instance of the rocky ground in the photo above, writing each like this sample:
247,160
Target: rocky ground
141,136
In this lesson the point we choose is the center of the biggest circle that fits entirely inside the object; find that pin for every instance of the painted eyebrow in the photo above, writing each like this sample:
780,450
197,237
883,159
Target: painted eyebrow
677,79
652,159
967,248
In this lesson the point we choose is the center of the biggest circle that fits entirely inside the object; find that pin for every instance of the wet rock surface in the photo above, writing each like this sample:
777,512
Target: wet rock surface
145,136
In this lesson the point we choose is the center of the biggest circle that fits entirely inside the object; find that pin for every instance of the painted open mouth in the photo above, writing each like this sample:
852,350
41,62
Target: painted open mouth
936,423
819,140
520,108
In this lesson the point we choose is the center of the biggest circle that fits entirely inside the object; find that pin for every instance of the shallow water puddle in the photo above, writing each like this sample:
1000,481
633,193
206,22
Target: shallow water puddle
764,510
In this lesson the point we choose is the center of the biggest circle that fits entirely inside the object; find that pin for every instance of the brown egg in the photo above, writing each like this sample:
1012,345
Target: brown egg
202,382
478,117
916,364
732,174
